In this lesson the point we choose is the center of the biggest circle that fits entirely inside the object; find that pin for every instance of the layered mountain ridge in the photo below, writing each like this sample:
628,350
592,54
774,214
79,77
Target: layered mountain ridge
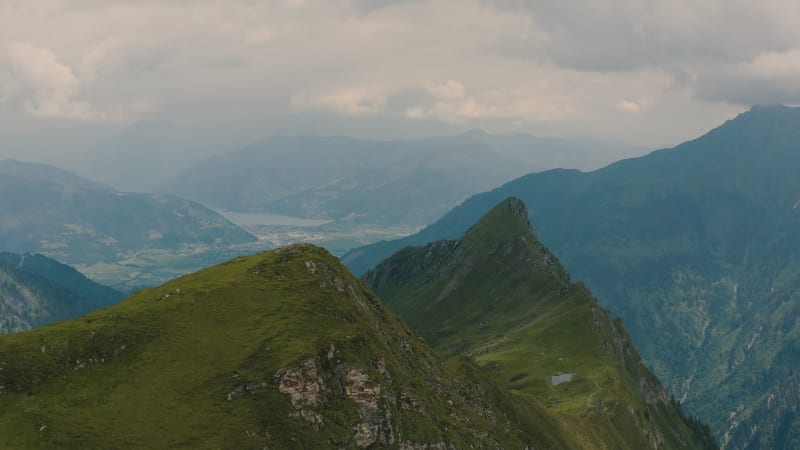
286,349
283,349
56,213
693,247
400,182
52,211
498,295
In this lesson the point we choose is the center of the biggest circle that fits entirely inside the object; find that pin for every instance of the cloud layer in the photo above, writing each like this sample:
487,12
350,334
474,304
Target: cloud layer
616,68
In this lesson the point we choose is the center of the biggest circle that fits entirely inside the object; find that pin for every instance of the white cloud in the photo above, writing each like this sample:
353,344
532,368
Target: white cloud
776,65
8,86
347,102
564,64
259,36
630,34
769,78
635,106
47,88
52,86
417,113
449,90
451,103
99,58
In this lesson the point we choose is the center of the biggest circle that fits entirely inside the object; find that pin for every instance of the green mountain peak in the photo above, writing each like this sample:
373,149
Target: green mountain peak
500,296
284,349
511,213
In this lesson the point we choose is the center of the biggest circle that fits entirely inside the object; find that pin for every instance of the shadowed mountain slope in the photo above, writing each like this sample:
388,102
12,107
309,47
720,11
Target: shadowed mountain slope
35,290
695,247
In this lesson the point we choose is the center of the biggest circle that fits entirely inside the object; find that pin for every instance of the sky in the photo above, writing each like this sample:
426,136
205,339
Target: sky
646,72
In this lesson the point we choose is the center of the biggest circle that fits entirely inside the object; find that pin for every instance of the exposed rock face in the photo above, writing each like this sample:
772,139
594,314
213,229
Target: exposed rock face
361,389
303,384
365,434
380,366
409,402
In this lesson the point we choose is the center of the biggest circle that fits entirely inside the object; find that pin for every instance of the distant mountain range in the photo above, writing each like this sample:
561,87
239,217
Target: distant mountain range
35,290
134,157
76,221
286,349
12,170
411,182
696,247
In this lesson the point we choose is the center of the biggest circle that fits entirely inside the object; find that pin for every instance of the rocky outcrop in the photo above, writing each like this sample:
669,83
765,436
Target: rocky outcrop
303,384
359,388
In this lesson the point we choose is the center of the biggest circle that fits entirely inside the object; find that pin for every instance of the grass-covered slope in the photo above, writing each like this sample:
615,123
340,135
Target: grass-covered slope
279,350
501,297
35,290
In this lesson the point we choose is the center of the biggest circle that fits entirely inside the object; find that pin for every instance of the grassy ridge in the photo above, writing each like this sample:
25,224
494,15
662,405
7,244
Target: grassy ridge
501,297
201,363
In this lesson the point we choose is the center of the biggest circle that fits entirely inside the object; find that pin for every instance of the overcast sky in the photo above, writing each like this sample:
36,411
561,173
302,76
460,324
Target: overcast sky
648,72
